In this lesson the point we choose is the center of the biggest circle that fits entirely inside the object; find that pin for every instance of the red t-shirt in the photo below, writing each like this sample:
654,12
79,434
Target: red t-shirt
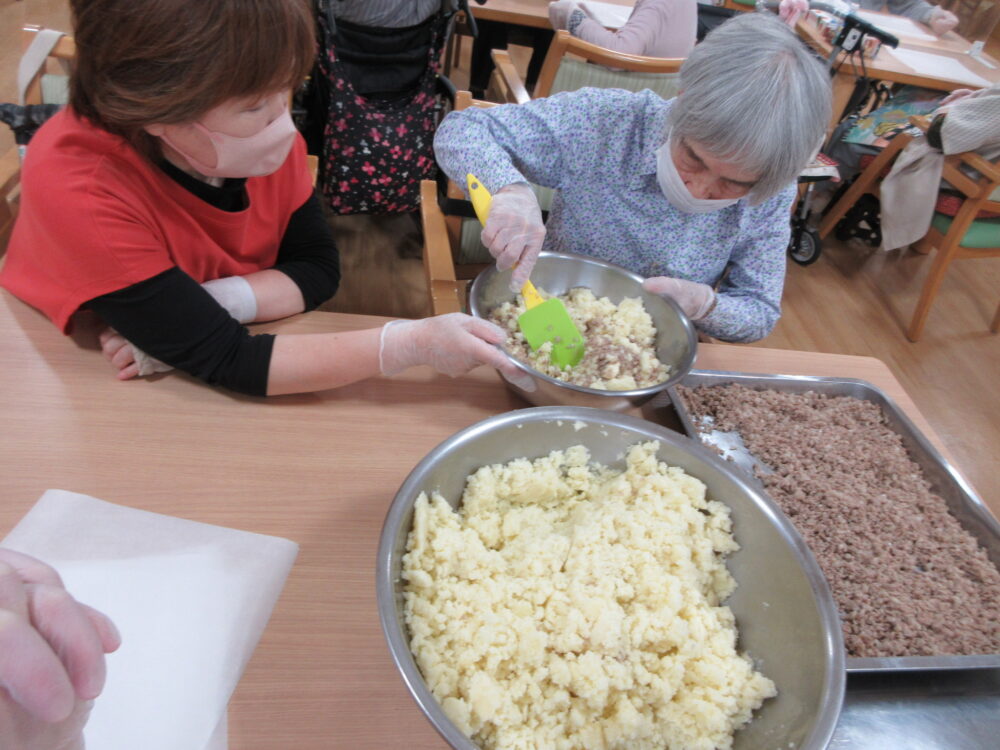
96,217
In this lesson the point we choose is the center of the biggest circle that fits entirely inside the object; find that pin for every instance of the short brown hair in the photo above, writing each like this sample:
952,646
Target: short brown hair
141,62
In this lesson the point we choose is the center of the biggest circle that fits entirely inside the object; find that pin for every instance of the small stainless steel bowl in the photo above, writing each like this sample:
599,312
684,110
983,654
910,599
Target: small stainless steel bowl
784,610
557,273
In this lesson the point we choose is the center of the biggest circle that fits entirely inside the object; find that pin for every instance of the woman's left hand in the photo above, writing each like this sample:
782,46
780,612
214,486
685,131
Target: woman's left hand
127,359
559,13
695,299
942,21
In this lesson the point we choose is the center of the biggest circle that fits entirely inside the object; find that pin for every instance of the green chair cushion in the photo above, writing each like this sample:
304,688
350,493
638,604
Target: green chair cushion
982,233
575,74
55,88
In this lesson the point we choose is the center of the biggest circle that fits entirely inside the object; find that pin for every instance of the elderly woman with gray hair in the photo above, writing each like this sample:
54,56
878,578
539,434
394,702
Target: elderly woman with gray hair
693,193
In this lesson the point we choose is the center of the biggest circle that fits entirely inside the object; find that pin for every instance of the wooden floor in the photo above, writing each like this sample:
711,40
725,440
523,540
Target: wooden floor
854,300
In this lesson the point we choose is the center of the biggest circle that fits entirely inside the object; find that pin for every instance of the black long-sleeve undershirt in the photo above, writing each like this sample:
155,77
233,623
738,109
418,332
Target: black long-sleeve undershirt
172,318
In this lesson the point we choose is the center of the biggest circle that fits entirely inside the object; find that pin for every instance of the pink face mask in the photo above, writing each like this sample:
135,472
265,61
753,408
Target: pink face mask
253,156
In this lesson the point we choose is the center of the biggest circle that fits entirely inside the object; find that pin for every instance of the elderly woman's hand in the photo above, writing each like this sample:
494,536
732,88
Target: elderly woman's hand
51,657
514,231
942,21
560,11
696,300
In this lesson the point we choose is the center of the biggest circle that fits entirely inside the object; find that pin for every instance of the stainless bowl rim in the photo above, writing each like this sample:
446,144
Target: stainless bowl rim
393,627
687,362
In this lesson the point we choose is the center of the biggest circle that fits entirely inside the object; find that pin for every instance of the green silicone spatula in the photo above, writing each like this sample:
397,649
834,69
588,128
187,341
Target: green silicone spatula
545,319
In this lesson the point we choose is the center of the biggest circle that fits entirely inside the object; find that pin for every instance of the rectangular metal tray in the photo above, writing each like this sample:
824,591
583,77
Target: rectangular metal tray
945,481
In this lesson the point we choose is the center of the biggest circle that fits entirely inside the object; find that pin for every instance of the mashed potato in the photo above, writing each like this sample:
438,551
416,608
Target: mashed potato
567,605
619,353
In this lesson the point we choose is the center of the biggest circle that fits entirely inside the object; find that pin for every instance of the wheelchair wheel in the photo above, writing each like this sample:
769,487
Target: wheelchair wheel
804,247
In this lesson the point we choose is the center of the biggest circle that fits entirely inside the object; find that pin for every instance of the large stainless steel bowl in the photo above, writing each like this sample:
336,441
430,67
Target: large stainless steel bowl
557,273
784,610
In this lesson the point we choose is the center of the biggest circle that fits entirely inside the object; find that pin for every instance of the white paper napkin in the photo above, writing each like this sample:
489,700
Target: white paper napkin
191,601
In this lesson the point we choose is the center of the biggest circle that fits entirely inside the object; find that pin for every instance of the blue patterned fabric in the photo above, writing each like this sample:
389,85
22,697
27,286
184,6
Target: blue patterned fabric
596,147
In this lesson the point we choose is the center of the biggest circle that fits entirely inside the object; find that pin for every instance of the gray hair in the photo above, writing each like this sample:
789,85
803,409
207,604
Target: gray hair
754,95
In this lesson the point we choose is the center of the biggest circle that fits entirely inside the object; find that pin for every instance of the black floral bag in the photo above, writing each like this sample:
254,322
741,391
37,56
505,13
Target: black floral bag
375,92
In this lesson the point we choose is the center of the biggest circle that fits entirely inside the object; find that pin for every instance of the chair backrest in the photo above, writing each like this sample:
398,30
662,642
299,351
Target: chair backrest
50,84
572,64
44,86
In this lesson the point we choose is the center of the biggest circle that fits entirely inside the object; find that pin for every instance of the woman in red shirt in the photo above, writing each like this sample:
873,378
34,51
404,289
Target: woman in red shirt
172,198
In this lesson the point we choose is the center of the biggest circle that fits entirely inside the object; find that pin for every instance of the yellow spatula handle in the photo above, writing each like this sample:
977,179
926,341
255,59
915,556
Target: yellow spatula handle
481,202
531,296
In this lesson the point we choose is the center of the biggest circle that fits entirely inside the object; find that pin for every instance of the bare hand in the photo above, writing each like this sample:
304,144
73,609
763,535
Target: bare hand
127,359
955,96
51,657
790,10
942,21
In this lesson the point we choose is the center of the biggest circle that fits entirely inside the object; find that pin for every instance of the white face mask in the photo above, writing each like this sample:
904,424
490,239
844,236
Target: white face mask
677,193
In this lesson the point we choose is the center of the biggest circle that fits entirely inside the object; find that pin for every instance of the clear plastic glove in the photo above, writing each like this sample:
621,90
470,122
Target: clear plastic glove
791,10
696,300
514,231
452,344
560,11
51,657
128,359
942,21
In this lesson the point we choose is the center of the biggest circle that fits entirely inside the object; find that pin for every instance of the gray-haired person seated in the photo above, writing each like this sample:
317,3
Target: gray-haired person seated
693,193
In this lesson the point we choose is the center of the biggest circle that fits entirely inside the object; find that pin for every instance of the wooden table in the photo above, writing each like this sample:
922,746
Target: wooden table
319,469
522,12
885,67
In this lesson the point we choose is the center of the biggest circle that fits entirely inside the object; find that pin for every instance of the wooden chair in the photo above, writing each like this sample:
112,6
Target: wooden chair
446,291
48,86
572,63
453,252
963,236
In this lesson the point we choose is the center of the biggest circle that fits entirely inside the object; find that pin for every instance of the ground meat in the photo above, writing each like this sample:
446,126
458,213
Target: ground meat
908,579
619,342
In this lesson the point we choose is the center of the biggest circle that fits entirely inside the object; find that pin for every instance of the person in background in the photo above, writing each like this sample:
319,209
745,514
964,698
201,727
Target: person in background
388,14
51,657
693,193
377,42
940,21
172,198
655,28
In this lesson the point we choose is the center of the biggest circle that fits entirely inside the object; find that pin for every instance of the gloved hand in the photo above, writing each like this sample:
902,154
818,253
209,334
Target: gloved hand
51,657
452,344
514,231
791,10
128,359
696,300
560,11
942,21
